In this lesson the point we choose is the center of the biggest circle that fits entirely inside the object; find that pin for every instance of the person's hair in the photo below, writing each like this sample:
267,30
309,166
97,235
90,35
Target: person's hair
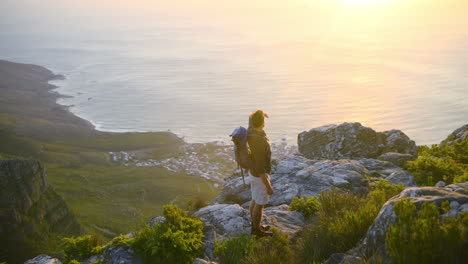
257,118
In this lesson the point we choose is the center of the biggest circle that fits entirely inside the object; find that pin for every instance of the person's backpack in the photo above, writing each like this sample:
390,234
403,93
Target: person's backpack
241,149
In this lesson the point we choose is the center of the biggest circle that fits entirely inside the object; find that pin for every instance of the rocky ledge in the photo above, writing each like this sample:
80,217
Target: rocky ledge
296,176
227,220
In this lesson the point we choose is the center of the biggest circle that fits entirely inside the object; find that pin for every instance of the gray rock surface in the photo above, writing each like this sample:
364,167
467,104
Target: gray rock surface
43,259
458,135
401,176
120,255
297,176
352,141
31,210
379,169
440,184
228,220
374,240
397,159
156,220
399,142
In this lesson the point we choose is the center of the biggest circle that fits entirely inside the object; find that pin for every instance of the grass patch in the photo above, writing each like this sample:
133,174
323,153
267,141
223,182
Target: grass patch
120,199
244,249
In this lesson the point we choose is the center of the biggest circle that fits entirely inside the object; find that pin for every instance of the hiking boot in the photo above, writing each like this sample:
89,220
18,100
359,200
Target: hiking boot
263,227
261,233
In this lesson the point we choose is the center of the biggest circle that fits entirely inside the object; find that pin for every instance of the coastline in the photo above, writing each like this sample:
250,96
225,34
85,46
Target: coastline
98,190
29,107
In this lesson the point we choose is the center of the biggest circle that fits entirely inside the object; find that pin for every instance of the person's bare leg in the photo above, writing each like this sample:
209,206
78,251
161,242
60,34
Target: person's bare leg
257,216
251,208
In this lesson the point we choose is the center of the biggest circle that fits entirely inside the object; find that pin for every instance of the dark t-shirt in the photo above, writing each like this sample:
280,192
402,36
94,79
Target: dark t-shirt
261,152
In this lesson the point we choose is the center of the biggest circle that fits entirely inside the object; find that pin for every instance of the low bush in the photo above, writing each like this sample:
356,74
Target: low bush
306,205
176,240
244,249
448,163
429,170
120,241
424,237
233,250
343,220
334,201
80,248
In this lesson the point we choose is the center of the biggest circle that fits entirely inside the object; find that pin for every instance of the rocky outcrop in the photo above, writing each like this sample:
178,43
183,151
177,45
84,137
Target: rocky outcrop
458,135
296,176
228,220
31,211
352,141
374,240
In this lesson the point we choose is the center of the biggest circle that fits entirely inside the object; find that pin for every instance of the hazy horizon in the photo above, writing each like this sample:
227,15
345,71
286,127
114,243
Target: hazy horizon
199,67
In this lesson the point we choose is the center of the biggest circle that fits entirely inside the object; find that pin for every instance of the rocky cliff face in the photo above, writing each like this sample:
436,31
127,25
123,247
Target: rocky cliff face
31,212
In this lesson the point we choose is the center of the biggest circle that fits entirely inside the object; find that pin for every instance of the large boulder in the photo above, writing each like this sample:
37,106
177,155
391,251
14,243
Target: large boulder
458,135
228,220
352,141
374,240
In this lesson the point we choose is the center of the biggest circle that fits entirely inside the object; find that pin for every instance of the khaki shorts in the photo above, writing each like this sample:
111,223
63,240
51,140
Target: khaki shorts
259,190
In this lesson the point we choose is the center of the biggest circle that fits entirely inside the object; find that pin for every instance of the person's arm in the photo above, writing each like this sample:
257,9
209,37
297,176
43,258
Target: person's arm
266,180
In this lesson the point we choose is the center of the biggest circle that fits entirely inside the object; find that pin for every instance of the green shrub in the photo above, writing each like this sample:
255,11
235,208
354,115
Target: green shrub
423,237
243,249
461,178
343,220
306,205
232,251
429,170
120,241
447,163
80,248
176,240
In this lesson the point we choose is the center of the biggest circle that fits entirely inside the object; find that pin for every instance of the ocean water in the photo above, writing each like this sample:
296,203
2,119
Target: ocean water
200,74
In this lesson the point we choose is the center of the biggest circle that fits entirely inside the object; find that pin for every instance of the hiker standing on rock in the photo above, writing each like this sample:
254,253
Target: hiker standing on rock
260,184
